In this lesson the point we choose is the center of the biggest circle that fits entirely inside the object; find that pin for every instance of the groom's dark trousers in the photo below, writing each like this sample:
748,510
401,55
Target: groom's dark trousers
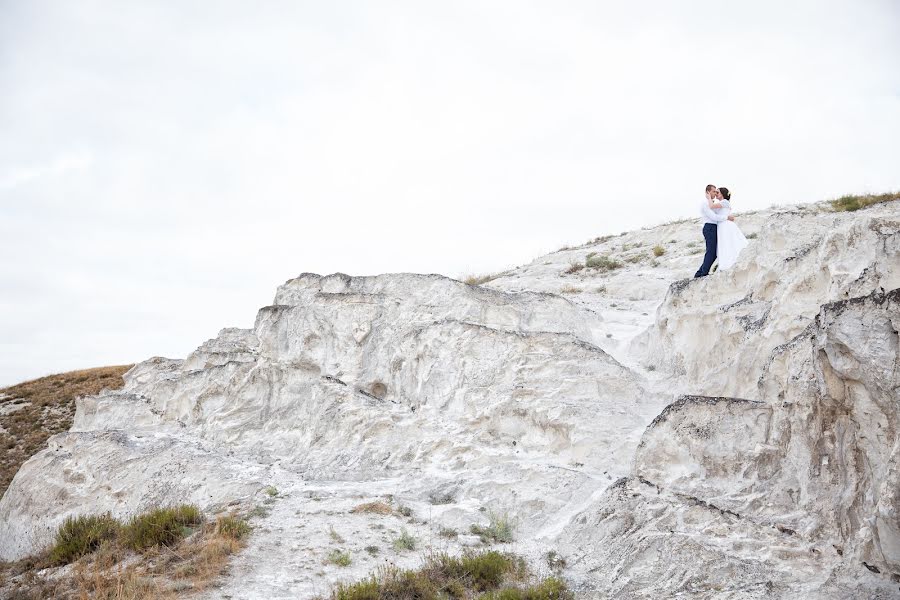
710,231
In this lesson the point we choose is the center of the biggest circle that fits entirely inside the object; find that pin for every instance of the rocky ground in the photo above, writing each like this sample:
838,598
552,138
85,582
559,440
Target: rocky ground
730,437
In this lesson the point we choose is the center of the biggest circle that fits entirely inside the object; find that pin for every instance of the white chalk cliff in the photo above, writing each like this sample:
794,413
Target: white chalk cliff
729,437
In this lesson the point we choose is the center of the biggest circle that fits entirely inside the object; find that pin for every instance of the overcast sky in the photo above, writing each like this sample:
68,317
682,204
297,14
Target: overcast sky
165,165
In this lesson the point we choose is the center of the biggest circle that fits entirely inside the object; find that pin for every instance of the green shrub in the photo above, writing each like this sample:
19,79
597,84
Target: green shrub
500,529
602,263
551,588
473,575
161,527
271,490
341,559
232,527
78,536
574,268
658,251
854,202
404,541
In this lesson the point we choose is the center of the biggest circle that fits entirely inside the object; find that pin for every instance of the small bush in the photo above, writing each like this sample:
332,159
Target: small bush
636,258
499,529
377,508
484,576
551,588
573,268
479,279
438,497
78,536
232,527
271,490
555,561
341,559
658,251
448,532
603,263
404,541
404,511
752,236
373,550
854,202
161,527
570,289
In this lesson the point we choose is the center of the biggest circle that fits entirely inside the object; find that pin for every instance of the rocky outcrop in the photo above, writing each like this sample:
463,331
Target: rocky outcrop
798,492
717,334
730,437
420,378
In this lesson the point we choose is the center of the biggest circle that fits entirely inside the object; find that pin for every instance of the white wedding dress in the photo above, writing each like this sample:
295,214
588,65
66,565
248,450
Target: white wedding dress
730,239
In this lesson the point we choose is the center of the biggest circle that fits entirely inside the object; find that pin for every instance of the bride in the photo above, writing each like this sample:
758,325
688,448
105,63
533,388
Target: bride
730,239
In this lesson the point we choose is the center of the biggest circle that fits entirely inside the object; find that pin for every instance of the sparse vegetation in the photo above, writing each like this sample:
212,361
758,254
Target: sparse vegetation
570,289
404,511
555,561
161,527
104,560
499,529
658,251
488,575
341,559
35,410
373,550
271,491
448,532
636,258
480,279
404,541
603,263
752,236
377,508
855,202
78,536
574,267
441,497
600,290
232,527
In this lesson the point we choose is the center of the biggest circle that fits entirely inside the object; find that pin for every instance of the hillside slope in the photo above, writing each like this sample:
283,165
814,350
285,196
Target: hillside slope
734,436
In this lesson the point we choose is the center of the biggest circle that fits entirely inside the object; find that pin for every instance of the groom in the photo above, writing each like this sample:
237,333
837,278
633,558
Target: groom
711,222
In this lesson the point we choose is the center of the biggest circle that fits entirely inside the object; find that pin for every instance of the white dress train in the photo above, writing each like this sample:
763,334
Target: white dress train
730,240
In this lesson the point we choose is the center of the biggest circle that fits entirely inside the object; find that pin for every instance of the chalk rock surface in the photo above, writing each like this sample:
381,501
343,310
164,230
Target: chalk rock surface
729,437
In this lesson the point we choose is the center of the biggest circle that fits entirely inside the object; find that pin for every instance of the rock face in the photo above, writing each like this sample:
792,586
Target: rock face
734,436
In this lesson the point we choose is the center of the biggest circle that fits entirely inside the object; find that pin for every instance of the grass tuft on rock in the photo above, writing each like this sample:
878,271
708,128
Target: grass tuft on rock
161,527
602,263
488,575
853,202
78,536
499,529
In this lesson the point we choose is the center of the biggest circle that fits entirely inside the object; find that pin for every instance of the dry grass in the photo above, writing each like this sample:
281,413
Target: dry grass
570,289
854,202
48,405
112,571
489,575
479,279
376,508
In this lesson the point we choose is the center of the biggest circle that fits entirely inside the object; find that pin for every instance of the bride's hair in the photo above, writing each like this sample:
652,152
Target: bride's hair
725,193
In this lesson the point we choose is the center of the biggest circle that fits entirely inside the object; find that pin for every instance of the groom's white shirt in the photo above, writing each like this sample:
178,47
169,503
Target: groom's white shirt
711,216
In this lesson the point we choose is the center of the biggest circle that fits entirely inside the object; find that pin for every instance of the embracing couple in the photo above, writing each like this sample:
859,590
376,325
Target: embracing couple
724,239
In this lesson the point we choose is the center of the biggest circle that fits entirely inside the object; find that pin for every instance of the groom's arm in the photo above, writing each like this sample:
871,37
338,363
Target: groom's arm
709,214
